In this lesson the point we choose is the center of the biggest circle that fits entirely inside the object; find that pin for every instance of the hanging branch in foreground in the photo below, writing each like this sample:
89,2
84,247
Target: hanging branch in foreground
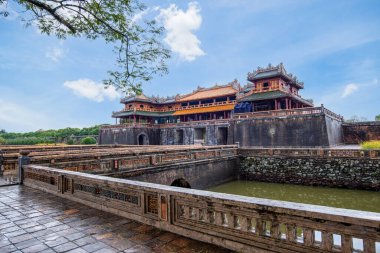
139,52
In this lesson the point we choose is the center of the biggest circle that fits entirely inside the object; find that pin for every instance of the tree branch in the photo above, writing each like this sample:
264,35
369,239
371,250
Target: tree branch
52,12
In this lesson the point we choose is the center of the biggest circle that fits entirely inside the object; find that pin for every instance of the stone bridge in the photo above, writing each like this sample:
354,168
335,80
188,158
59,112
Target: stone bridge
199,174
192,165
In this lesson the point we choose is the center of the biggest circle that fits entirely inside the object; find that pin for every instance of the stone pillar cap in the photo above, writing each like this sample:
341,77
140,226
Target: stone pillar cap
24,152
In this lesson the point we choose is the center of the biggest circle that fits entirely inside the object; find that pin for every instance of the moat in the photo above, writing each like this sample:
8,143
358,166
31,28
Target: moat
333,197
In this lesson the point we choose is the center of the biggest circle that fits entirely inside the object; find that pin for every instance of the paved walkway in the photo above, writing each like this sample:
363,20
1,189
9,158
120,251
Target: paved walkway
34,221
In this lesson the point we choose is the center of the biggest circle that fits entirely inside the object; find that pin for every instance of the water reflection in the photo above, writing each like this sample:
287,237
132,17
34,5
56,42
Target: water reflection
342,198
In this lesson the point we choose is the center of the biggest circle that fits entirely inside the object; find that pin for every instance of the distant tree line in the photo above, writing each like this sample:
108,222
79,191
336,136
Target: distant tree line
356,118
66,135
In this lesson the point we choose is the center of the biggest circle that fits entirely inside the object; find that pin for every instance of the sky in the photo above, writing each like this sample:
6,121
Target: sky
332,46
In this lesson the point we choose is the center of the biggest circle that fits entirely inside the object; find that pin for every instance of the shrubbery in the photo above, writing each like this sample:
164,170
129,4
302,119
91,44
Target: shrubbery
370,145
88,141
27,141
48,136
2,141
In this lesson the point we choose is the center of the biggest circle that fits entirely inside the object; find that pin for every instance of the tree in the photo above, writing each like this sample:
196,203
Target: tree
88,141
2,141
356,118
139,53
377,118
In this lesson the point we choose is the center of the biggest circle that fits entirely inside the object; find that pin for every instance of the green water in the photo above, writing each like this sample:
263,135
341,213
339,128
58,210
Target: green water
342,198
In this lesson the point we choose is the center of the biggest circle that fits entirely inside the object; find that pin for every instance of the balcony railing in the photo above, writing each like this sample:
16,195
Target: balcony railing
177,108
290,112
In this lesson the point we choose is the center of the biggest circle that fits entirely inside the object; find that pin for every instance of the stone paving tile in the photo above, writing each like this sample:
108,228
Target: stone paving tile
33,221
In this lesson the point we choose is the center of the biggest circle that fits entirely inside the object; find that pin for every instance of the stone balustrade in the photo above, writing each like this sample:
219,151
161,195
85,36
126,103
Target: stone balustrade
289,112
239,223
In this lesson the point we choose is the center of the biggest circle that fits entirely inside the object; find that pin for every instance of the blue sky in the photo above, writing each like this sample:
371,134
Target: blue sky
333,46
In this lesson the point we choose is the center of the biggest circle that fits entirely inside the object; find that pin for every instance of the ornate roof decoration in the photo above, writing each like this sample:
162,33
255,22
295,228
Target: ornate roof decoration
272,71
200,93
215,91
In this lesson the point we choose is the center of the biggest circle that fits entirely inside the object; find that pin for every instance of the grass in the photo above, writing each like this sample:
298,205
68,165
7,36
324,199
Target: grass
370,145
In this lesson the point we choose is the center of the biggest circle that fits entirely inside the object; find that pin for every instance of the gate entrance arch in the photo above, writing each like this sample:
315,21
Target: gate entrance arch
180,182
142,139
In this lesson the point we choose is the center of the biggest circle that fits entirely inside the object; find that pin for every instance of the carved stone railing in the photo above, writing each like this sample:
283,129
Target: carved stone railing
309,152
239,223
9,154
167,125
118,161
291,112
174,108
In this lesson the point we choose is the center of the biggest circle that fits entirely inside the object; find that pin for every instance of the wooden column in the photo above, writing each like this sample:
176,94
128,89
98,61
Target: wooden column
275,104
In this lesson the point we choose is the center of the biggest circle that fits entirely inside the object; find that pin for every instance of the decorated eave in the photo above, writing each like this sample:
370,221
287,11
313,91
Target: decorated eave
200,93
152,99
270,95
274,71
215,91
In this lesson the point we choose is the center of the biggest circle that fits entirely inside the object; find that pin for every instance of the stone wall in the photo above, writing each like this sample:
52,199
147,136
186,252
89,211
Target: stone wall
314,130
212,135
355,173
291,131
129,135
354,133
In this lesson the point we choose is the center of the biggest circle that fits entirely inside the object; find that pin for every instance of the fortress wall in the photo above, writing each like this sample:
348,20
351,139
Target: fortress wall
316,130
290,131
343,172
354,133
129,135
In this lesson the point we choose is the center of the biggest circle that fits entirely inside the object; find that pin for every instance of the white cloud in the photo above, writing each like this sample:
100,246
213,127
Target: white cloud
15,117
55,54
349,89
92,90
180,26
138,16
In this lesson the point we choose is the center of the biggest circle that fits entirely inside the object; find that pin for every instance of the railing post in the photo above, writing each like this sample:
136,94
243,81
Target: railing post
24,159
1,162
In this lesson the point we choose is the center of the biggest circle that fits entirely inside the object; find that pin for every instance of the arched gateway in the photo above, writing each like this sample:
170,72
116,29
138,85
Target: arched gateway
142,139
180,182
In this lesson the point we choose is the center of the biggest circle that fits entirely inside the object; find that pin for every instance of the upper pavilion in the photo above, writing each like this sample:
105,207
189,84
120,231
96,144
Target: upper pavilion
270,88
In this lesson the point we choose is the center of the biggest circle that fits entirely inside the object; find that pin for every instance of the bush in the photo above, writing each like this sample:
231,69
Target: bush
370,145
70,142
88,141
28,141
2,141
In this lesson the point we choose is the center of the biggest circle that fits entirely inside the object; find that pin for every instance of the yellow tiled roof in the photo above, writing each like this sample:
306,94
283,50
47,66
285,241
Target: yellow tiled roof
205,110
209,93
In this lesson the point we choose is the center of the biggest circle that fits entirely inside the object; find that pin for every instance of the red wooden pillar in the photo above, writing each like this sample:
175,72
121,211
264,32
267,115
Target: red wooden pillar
275,104
134,118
